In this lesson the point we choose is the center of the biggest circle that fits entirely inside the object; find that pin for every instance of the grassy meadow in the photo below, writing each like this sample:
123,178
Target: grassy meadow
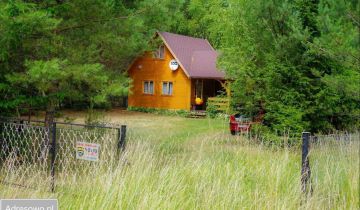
179,163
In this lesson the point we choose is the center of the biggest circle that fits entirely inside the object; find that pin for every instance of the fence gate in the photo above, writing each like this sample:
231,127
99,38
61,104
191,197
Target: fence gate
33,155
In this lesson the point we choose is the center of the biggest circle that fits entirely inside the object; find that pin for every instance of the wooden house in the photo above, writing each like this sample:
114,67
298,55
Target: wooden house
180,74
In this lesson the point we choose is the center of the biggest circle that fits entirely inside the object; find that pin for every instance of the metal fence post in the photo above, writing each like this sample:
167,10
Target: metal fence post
122,136
305,165
53,155
2,142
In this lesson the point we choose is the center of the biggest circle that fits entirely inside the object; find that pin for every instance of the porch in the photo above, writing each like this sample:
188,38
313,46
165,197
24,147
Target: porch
202,90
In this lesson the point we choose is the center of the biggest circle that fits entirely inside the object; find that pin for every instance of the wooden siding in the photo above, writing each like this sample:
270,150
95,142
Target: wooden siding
158,70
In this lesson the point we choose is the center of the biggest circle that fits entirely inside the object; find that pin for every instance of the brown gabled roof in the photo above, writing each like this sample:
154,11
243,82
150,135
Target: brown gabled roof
196,56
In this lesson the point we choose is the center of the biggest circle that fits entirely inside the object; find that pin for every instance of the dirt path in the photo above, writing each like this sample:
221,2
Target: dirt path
118,116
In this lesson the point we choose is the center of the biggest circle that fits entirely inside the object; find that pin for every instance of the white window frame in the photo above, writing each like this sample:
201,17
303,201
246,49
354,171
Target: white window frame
167,91
148,87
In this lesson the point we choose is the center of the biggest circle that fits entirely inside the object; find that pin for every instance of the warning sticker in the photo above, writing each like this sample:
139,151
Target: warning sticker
87,151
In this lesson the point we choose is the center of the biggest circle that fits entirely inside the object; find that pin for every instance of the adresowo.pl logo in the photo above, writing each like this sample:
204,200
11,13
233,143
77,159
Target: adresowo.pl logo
28,204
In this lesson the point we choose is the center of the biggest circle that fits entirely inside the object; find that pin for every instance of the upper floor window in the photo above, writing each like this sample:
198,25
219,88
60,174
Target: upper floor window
167,88
148,87
160,52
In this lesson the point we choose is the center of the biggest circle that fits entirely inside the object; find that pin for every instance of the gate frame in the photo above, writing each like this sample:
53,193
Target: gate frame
121,132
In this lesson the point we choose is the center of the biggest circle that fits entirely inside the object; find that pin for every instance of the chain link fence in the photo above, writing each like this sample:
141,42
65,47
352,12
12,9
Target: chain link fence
320,153
61,152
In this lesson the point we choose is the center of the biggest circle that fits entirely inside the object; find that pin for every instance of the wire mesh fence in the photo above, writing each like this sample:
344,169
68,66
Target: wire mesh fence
334,146
61,152
335,138
68,164
24,154
320,153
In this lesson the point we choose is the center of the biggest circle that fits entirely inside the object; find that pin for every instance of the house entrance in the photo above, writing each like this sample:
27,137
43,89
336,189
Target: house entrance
202,89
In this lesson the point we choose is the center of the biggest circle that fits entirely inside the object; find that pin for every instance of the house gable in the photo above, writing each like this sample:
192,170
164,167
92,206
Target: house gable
147,68
173,54
196,56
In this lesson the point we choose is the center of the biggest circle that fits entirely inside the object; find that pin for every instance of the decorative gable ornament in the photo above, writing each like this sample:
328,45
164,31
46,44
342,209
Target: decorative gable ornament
174,65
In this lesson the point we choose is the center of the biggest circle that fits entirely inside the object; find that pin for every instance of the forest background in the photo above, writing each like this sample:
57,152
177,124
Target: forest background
297,61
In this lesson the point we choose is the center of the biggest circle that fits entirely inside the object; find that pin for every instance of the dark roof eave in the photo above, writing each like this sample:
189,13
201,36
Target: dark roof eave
200,77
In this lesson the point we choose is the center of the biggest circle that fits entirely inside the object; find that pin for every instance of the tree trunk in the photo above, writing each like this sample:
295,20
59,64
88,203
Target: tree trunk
49,119
49,114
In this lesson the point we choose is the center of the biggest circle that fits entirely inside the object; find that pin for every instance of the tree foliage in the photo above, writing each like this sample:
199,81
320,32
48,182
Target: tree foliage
295,61
58,51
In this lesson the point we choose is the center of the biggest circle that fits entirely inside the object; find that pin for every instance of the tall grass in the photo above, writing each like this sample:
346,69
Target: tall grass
205,168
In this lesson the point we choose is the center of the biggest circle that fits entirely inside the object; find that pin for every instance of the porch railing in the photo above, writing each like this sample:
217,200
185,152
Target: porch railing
221,104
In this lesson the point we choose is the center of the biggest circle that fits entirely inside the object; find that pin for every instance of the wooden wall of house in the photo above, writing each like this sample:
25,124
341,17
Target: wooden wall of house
147,68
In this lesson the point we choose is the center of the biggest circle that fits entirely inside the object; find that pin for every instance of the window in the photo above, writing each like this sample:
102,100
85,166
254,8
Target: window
160,52
148,87
167,88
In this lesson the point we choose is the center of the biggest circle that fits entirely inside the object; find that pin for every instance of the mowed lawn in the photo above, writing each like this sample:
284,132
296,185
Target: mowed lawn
172,162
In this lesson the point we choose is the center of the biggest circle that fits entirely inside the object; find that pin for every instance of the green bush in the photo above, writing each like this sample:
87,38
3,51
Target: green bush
268,137
280,117
181,112
211,110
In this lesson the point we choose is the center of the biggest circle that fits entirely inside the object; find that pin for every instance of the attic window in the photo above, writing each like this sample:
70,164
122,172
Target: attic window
160,52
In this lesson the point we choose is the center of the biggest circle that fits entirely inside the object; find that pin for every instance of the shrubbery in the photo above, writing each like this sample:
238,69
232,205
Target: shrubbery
182,113
211,110
266,136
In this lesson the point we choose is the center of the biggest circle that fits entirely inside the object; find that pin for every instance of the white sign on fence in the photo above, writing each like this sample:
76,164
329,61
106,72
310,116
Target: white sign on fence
87,151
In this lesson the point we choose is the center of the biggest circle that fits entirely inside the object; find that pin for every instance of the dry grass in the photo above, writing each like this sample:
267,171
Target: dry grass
179,163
